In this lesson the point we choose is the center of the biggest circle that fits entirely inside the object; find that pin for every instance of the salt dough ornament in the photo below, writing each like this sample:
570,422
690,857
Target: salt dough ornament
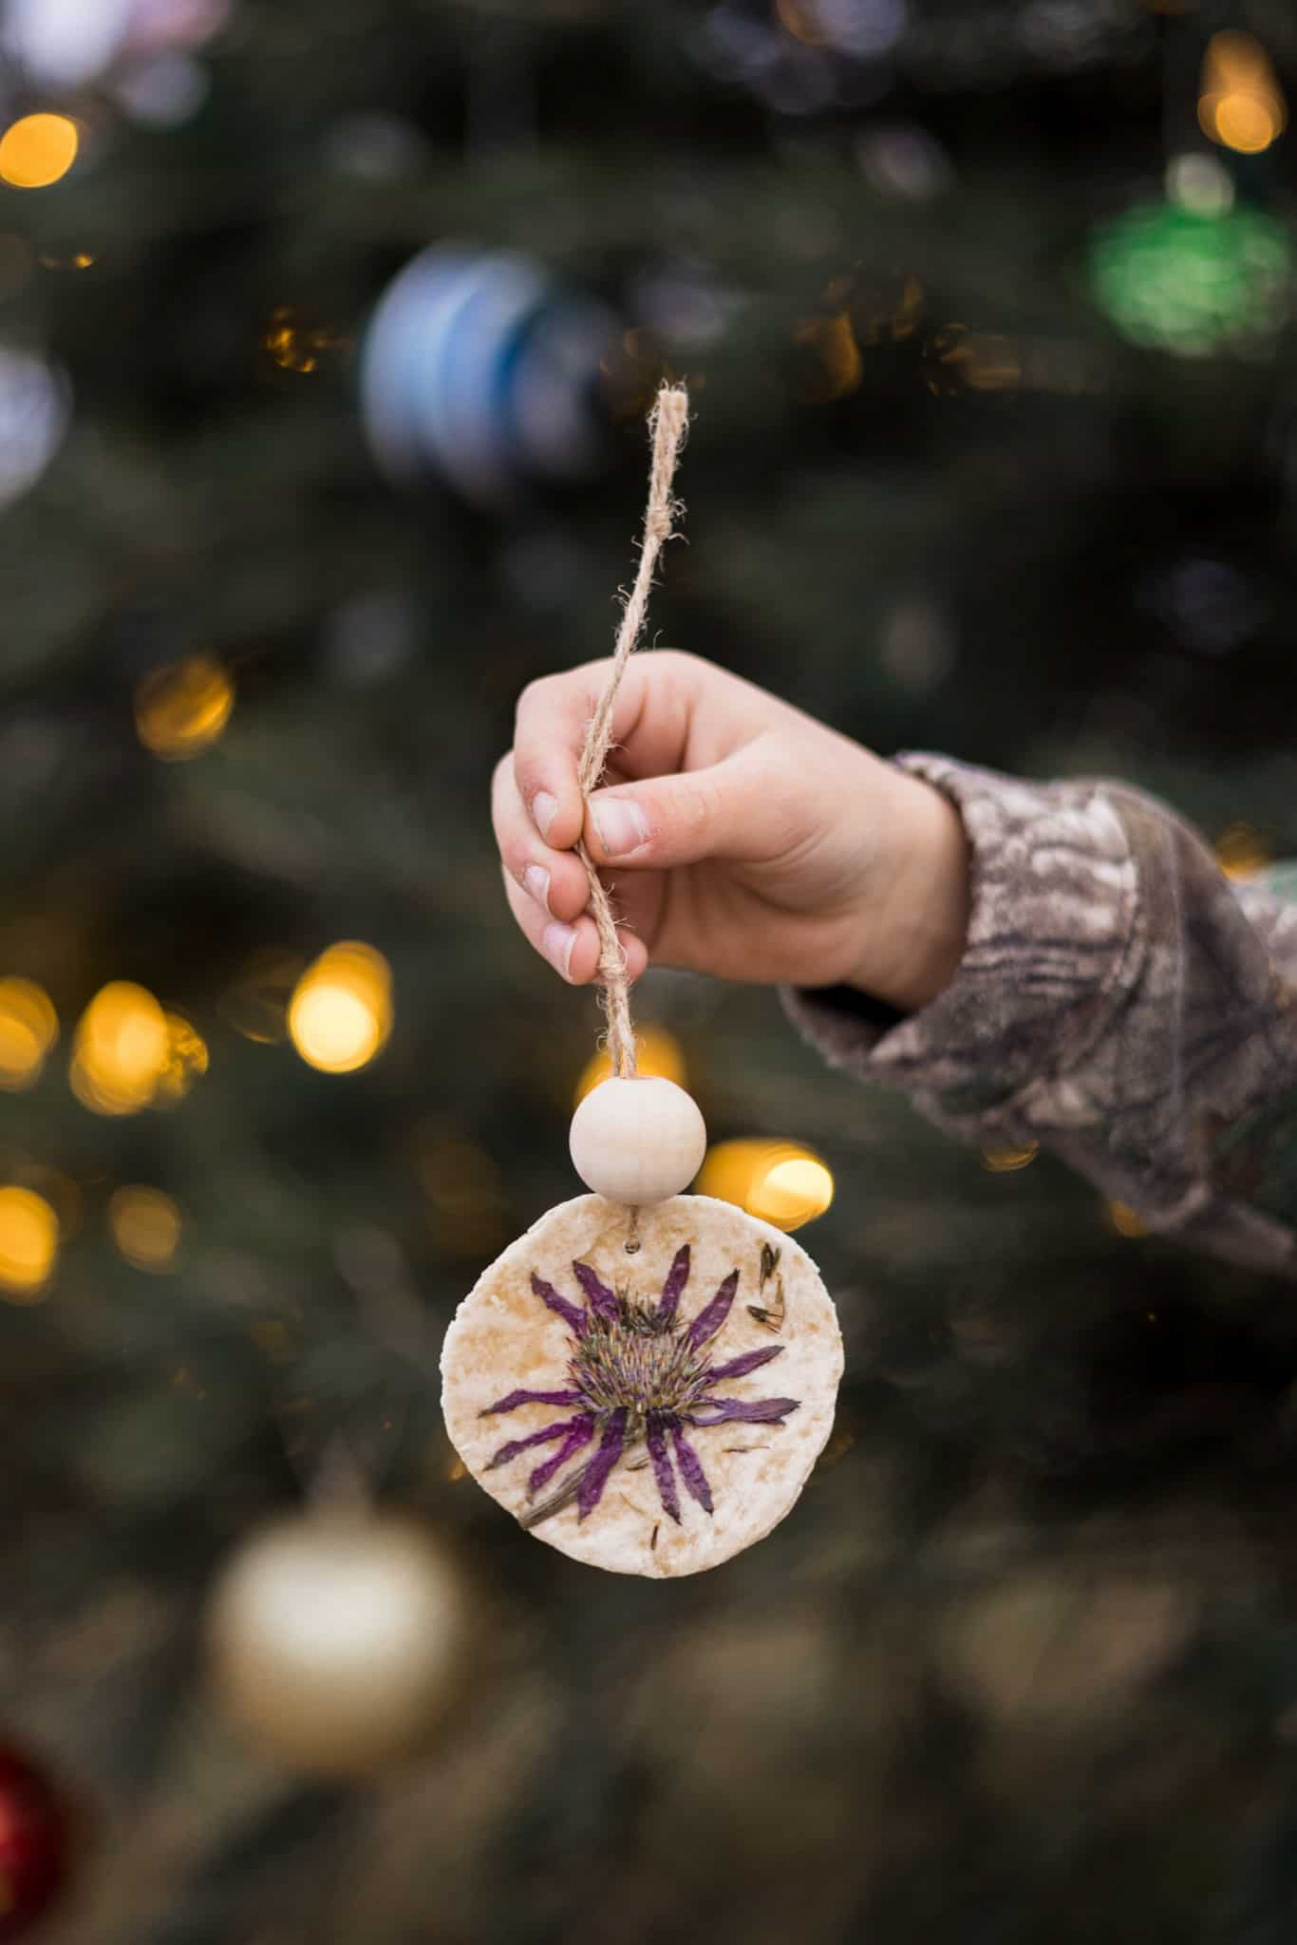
646,1378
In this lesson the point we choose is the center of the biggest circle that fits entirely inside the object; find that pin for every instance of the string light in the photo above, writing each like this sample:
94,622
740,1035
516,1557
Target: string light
37,150
29,1243
779,1181
1242,853
121,1050
297,346
657,1054
29,1026
837,363
186,1061
340,1015
146,1226
1242,105
1124,1219
1005,1161
182,708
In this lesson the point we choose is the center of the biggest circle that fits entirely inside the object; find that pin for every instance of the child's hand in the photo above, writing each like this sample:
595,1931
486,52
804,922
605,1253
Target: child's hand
742,838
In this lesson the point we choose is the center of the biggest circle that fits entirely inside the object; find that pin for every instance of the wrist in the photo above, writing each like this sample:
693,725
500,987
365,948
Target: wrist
917,921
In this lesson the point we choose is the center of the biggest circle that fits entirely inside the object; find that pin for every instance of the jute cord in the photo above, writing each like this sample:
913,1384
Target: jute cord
668,423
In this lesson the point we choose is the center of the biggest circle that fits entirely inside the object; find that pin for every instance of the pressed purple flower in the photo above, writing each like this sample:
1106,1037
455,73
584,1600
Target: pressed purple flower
641,1375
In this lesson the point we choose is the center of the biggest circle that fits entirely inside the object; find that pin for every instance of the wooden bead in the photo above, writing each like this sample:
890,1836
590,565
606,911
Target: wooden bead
639,1140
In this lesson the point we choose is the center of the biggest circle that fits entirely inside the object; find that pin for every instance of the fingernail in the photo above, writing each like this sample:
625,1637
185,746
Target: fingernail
558,941
535,880
621,824
543,807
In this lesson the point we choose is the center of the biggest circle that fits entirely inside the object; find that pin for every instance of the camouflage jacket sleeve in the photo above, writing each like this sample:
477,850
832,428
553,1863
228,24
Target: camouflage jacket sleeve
1120,1001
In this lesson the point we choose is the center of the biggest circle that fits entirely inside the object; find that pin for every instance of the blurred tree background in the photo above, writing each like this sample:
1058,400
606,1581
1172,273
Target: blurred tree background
985,312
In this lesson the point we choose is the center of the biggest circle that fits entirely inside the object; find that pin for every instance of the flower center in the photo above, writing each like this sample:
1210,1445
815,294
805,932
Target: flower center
638,1361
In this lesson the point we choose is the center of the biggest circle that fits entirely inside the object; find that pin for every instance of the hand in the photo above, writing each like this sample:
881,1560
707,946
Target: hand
742,838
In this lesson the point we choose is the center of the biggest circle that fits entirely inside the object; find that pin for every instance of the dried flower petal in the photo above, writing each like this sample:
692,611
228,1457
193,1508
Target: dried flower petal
762,1411
598,1295
691,1468
596,1475
572,1317
677,1277
709,1321
580,1432
516,1398
738,1367
545,1437
666,1481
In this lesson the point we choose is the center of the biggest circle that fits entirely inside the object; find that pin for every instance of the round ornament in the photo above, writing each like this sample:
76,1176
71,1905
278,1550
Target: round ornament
34,1843
480,372
334,1640
646,1391
601,1381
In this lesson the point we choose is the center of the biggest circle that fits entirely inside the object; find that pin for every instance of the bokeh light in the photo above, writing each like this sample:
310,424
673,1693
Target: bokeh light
781,1182
1242,105
1007,1161
29,1245
121,1051
182,708
1124,1219
830,365
186,1061
341,1011
657,1055
1178,280
1243,853
146,1226
29,1026
37,150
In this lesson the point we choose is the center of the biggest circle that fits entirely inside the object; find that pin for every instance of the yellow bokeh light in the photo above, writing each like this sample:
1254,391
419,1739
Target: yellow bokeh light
29,1244
780,1181
1005,1161
340,1014
146,1226
1242,852
29,1026
37,150
837,367
186,1061
122,1049
1124,1219
794,1191
1242,104
800,19
182,709
1240,120
657,1055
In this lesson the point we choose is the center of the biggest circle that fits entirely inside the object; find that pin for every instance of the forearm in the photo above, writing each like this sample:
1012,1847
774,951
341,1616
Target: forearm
1114,1001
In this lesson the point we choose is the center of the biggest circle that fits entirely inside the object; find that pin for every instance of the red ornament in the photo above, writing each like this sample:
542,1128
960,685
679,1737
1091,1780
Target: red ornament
33,1843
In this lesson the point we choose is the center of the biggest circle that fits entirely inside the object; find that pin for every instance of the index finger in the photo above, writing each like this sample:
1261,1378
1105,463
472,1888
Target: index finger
659,726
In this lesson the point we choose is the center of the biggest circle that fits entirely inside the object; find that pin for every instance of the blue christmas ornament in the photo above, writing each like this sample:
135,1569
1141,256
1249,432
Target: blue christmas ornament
479,372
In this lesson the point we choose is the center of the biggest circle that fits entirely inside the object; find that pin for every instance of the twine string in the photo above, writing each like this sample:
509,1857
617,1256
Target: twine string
668,423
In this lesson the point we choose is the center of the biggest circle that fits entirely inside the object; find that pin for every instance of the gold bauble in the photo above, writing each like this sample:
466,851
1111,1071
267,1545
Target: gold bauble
335,1640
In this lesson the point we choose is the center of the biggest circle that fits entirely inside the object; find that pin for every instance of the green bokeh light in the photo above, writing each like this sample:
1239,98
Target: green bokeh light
1175,280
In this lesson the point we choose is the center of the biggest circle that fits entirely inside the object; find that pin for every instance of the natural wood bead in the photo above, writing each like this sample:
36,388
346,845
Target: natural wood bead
639,1140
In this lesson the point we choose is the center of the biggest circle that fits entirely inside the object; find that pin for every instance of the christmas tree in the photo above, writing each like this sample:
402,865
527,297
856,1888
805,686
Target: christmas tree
985,317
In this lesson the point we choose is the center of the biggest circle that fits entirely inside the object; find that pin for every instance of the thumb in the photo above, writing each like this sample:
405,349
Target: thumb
746,808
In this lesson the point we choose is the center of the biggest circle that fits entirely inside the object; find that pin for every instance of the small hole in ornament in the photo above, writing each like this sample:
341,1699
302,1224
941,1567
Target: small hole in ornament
632,1248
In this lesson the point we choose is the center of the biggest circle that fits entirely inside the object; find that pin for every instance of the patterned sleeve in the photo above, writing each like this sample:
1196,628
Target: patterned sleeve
1119,1001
